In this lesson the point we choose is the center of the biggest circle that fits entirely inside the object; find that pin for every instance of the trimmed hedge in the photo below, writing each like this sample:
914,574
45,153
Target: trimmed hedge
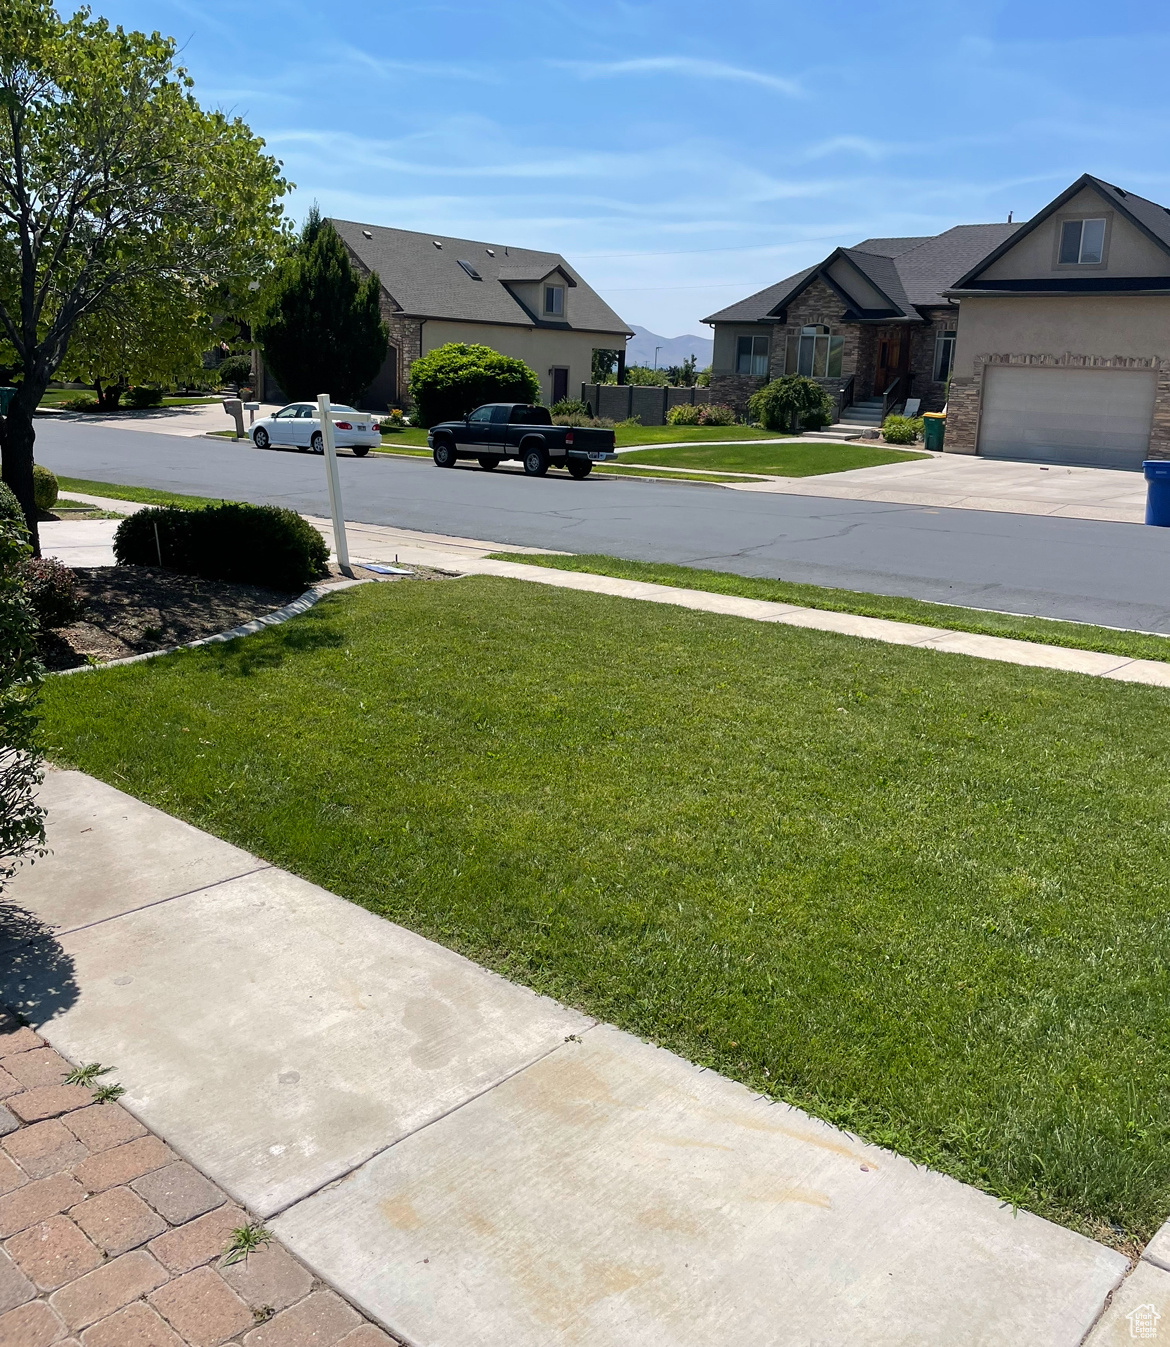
245,544
44,488
452,380
10,511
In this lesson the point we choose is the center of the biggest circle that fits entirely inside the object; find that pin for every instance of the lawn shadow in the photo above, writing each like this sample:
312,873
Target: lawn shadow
37,978
247,655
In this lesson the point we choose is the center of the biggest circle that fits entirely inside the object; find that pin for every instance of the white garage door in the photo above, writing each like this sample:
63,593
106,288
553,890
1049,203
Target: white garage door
1096,417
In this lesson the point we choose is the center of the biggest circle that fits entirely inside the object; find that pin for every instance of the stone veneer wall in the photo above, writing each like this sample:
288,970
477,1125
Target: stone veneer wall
932,392
733,390
966,395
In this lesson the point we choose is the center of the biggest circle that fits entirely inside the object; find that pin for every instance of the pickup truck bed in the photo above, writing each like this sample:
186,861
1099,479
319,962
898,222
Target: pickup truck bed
502,430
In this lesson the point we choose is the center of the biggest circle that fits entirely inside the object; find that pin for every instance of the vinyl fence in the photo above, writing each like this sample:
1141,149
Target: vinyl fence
647,402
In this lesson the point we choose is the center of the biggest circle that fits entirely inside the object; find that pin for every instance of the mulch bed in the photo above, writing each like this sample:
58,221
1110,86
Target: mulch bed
132,609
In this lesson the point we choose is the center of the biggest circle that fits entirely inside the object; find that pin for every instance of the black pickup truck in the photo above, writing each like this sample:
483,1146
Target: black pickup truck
502,430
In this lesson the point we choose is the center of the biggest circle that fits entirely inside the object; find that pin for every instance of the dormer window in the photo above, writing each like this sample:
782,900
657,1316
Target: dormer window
554,301
1082,242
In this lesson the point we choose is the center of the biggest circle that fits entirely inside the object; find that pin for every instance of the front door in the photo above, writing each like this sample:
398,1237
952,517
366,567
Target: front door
560,385
893,359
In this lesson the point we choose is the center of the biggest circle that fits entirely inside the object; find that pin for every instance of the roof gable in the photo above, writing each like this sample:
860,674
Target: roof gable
423,275
1034,250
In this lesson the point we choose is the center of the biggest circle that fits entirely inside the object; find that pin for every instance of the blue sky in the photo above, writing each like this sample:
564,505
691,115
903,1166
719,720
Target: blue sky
682,155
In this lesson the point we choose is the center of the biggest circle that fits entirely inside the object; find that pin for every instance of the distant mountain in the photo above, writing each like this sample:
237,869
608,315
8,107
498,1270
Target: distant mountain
674,350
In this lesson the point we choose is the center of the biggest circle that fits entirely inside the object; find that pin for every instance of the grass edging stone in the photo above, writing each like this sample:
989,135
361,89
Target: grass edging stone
984,622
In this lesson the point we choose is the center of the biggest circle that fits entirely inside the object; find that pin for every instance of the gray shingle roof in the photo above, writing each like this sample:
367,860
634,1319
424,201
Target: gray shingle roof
428,282
910,272
1148,213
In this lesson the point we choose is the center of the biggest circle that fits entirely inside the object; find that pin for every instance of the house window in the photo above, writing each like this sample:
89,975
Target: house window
1082,242
554,300
944,356
751,355
816,353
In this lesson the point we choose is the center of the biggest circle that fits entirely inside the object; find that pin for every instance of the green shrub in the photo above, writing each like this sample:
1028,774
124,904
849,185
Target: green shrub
52,590
10,511
235,369
644,376
683,415
81,405
630,423
246,544
22,825
44,488
140,396
717,414
901,429
784,402
577,419
452,380
569,407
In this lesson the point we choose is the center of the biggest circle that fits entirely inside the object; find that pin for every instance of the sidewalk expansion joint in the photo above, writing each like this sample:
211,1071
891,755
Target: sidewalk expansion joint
429,1122
143,907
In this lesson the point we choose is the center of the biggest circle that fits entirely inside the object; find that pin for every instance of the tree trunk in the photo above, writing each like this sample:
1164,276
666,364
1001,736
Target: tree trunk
16,442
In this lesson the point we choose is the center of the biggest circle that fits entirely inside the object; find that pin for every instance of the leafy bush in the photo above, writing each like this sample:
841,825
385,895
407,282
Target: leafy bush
577,419
236,369
683,415
642,375
22,825
44,488
901,429
569,407
630,423
717,414
81,405
785,401
10,511
52,590
141,396
703,378
247,544
452,380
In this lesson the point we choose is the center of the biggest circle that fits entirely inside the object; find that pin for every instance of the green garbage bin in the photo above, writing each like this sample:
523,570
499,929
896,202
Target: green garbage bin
934,427
6,396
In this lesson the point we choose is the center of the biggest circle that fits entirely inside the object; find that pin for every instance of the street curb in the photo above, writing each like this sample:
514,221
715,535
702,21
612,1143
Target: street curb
273,619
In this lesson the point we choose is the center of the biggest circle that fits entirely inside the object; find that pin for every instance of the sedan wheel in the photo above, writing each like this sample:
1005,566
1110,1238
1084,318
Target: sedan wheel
317,442
580,468
488,461
360,450
260,438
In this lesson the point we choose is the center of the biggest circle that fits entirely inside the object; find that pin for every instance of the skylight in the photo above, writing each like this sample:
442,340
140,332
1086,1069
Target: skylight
471,271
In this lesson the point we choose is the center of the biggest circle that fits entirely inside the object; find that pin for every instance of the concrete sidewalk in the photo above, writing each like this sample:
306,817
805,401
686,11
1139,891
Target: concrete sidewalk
186,421
470,1163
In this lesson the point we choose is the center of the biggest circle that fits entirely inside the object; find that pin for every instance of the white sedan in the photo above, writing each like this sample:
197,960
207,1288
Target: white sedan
298,426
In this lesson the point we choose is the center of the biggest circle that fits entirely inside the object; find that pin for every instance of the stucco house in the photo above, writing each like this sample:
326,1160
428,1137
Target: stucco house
522,303
1063,350
871,323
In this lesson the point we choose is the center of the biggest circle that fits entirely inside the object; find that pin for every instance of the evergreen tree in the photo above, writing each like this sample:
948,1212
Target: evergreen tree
322,329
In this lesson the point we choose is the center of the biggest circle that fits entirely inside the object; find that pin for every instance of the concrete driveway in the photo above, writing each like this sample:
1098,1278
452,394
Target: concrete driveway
187,421
968,482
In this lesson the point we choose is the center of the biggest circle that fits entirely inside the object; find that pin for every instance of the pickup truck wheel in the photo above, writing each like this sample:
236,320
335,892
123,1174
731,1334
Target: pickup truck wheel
488,461
536,460
444,454
580,468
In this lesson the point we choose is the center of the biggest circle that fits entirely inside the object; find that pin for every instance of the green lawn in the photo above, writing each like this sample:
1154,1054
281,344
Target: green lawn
144,494
622,469
923,896
411,437
788,460
1073,635
632,435
57,397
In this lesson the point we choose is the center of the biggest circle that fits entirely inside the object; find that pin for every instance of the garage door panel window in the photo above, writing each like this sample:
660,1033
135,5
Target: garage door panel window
1082,242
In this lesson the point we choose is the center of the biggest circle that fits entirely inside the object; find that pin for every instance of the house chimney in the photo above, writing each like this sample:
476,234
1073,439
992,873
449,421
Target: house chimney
1010,214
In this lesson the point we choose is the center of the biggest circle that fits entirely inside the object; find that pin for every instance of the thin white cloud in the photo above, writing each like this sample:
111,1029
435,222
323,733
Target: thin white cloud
681,65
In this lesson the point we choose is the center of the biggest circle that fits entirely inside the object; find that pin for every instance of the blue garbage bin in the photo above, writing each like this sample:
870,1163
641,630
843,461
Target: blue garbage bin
1157,471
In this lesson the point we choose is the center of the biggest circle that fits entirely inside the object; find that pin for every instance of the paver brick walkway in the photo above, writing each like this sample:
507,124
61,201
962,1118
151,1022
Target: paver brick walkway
110,1239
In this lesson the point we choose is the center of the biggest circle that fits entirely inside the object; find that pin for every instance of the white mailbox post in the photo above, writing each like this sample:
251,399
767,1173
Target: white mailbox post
340,543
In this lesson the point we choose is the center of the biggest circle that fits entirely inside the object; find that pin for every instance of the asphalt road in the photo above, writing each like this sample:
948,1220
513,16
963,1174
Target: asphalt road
1115,574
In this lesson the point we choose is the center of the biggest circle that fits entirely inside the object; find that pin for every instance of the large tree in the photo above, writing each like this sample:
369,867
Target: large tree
322,329
112,178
